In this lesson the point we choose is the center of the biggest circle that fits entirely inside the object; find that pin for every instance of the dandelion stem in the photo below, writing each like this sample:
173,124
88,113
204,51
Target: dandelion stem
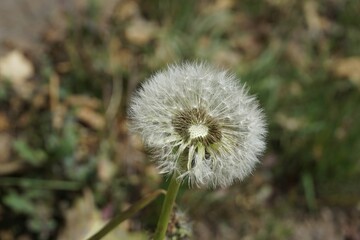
167,208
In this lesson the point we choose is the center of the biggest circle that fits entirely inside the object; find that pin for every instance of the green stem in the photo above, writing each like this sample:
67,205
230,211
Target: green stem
167,208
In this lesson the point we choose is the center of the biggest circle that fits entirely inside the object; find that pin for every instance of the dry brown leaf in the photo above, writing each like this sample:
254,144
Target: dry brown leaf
58,116
224,4
5,147
219,5
88,144
120,57
289,123
4,122
248,44
227,58
127,9
91,118
84,219
348,68
315,22
83,101
105,169
140,32
10,167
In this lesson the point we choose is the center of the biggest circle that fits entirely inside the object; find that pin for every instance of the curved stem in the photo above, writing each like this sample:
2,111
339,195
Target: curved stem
167,208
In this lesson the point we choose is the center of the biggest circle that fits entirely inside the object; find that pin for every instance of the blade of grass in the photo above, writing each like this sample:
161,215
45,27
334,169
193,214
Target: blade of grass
126,214
309,189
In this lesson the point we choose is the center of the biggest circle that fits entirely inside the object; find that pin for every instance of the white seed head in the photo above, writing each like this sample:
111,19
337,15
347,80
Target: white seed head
198,131
200,123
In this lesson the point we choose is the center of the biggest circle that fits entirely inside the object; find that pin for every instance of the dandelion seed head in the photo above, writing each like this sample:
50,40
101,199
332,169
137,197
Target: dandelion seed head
198,131
200,123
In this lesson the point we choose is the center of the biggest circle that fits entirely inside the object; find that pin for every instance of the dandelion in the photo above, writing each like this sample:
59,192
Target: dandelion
200,123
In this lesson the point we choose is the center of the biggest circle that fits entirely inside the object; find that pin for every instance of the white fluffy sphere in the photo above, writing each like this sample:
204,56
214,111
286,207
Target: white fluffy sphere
200,123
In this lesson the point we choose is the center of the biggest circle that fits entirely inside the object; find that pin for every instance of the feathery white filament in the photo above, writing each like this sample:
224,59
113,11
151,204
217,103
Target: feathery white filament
200,123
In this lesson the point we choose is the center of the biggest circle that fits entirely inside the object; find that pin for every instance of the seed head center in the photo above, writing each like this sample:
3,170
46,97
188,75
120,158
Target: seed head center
198,130
197,126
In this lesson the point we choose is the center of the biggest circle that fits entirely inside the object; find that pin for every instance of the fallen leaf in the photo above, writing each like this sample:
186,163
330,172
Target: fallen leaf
58,116
127,9
15,67
219,5
4,122
316,23
120,57
10,167
83,101
5,147
289,123
91,118
84,219
348,68
227,58
105,169
248,44
88,143
140,32
7,164
312,16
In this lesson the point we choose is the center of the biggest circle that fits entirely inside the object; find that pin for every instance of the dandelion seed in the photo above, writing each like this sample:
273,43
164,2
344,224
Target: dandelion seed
200,123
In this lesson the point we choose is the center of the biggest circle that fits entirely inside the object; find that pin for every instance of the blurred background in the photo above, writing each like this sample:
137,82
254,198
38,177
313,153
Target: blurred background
69,67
